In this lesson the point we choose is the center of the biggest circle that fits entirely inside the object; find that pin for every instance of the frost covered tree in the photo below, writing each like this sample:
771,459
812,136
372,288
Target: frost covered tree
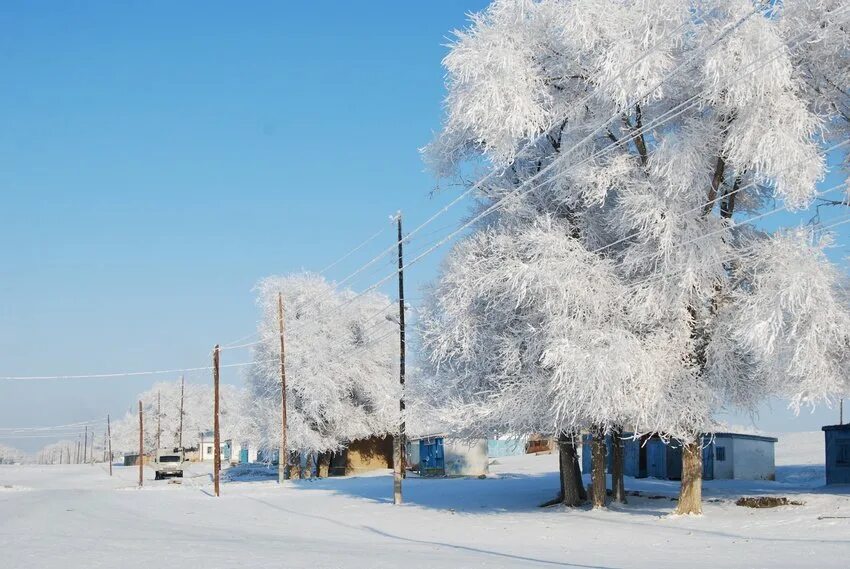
11,455
339,365
608,282
197,416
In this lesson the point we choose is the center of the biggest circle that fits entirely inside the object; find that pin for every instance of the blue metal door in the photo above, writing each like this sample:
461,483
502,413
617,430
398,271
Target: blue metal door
243,455
708,461
431,459
656,454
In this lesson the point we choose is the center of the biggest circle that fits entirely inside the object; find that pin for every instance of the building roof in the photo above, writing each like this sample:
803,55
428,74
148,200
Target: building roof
844,427
747,436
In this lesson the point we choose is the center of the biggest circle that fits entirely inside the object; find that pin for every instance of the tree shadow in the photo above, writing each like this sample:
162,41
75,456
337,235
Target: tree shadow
388,535
513,493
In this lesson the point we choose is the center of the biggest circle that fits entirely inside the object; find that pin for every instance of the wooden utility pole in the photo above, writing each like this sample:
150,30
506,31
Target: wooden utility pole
216,434
841,411
158,420
141,447
180,439
109,443
85,444
399,443
282,454
91,454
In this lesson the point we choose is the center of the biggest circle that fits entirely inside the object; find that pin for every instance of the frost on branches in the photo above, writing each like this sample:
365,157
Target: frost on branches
613,284
162,401
340,354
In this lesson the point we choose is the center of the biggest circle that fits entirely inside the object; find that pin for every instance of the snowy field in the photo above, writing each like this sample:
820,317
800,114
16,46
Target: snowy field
77,517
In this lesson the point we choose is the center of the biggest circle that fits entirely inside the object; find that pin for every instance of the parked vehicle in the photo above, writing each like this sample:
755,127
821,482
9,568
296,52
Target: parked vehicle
169,462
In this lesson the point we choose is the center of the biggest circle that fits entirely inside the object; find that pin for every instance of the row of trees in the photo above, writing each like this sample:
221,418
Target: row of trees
161,407
608,285
11,455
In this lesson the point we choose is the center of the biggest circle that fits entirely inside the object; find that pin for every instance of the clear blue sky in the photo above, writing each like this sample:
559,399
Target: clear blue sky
158,158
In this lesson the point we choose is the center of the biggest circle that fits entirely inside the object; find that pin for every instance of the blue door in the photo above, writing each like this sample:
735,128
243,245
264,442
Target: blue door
656,454
708,461
243,455
431,459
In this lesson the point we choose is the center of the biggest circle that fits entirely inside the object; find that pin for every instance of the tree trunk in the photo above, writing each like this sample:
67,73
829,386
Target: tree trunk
571,484
690,494
311,463
597,475
323,464
294,465
618,485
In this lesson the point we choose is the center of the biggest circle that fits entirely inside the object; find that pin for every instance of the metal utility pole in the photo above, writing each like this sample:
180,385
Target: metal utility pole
282,454
109,443
158,420
141,447
216,435
182,382
85,444
399,443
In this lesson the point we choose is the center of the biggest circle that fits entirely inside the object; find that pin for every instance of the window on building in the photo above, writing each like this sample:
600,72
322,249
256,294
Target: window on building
842,457
209,450
720,453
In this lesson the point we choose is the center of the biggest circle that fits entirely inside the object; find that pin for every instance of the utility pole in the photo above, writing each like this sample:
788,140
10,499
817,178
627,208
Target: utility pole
85,444
141,447
91,454
180,439
216,435
158,420
282,454
109,443
399,443
841,411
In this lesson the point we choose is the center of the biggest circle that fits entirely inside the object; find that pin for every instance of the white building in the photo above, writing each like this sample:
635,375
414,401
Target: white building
743,457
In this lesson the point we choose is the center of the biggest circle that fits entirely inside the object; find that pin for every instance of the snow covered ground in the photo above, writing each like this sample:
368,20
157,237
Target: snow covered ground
77,517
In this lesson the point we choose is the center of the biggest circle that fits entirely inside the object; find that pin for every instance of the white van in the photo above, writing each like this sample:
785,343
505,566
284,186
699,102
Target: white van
169,462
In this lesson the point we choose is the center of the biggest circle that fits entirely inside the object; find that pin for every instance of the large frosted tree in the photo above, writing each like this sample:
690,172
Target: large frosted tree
340,350
606,282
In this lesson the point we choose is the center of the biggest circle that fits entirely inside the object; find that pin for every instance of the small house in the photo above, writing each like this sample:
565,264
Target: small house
206,446
238,452
506,446
362,455
837,446
441,455
540,444
132,459
726,456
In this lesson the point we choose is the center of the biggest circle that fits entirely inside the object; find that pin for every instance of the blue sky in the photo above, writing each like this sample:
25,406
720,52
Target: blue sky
158,158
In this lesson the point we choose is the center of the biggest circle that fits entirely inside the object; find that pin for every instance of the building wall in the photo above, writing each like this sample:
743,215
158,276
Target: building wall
723,469
753,460
413,454
837,463
464,458
505,447
365,455
236,452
